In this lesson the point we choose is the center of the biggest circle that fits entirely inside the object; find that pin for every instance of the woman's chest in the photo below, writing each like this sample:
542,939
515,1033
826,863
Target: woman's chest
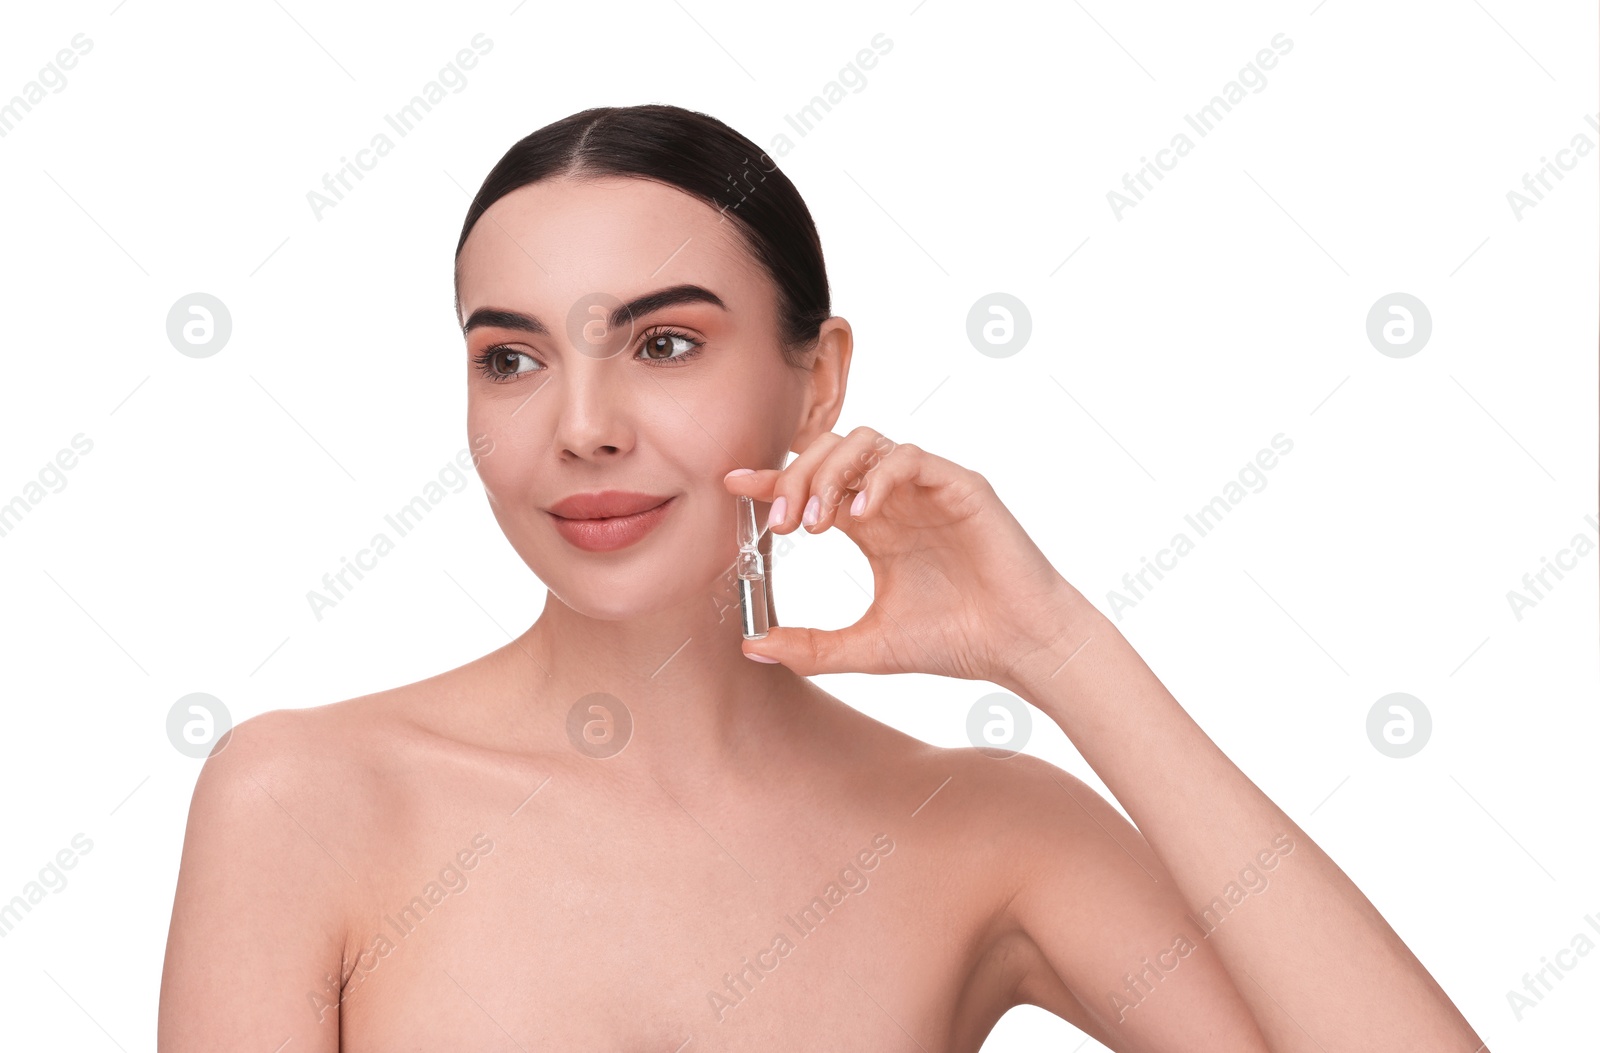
664,935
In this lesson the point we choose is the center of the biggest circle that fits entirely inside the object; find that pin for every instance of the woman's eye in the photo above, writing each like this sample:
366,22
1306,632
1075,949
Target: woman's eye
502,363
668,347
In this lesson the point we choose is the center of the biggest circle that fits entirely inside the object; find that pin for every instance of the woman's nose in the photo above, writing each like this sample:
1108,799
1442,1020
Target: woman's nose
593,417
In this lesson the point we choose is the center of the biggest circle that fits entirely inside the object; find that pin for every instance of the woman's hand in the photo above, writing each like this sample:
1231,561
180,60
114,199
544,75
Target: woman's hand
959,589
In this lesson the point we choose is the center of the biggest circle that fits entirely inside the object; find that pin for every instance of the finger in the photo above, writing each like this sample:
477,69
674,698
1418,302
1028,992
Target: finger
911,465
845,471
809,652
756,483
794,484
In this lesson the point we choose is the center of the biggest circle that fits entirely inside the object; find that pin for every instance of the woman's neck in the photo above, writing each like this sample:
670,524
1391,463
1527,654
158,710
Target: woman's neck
673,687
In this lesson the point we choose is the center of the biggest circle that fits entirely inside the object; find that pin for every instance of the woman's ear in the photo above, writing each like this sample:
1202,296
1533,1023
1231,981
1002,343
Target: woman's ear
827,375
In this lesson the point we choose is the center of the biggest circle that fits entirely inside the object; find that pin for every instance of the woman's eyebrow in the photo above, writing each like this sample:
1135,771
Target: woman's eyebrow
501,318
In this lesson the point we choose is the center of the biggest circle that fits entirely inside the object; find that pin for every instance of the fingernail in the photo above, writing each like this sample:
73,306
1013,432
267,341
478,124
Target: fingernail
761,658
740,471
813,511
779,508
858,504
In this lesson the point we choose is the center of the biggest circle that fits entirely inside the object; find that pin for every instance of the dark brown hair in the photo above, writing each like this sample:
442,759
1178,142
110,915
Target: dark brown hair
701,156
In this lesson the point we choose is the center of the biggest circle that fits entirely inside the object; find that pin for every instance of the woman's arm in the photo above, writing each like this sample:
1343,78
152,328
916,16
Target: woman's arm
1320,969
960,589
257,936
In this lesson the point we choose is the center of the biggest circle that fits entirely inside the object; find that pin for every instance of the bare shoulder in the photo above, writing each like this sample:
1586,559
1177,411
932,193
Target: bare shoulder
344,746
1028,809
1008,813
322,782
292,785
1022,810
268,879
307,755
1040,851
1085,905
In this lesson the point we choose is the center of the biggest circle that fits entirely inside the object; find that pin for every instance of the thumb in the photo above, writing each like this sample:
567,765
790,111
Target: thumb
812,651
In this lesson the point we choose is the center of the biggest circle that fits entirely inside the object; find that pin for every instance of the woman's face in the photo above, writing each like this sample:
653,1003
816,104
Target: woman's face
574,394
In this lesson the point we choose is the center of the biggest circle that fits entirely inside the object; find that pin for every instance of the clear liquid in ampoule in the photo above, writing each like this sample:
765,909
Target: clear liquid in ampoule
753,602
752,573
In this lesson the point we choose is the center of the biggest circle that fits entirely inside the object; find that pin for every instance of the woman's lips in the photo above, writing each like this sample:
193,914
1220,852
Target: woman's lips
614,532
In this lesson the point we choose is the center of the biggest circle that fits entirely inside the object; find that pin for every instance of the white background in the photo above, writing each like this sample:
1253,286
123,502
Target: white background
1167,347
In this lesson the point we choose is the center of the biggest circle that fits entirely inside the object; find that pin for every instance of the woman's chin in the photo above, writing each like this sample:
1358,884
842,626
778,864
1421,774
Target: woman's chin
620,603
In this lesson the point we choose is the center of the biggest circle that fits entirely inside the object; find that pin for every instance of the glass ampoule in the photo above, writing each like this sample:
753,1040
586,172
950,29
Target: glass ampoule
752,572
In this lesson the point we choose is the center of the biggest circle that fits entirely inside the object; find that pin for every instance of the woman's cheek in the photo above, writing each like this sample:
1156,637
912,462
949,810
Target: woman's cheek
742,427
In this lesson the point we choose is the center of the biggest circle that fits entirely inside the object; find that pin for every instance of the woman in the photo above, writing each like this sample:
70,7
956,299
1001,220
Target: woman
618,831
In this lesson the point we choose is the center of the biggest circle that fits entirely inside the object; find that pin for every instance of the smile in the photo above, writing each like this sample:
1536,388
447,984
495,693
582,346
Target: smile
612,532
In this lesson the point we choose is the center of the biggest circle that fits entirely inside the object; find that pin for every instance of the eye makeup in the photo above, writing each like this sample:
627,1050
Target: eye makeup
488,363
752,572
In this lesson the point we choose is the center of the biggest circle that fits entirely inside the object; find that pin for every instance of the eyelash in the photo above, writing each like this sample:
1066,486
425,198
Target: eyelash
484,360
